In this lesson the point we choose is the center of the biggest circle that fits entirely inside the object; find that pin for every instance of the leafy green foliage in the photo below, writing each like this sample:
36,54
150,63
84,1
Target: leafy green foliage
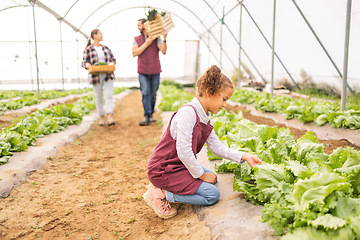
151,14
319,112
306,193
19,99
173,98
18,137
167,82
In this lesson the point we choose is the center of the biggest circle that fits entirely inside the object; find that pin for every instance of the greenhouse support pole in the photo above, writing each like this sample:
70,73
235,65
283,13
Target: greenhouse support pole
31,67
268,43
221,46
346,56
321,44
78,60
239,65
197,60
209,48
221,36
36,56
273,51
62,58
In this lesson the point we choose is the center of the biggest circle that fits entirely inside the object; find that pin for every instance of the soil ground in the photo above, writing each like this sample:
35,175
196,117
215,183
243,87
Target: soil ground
93,188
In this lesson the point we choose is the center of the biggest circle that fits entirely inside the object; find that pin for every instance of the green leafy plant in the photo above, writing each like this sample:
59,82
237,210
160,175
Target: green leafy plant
173,98
151,14
306,193
319,112
19,136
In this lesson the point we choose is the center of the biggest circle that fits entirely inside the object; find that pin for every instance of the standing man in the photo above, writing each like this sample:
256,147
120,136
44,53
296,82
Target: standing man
146,48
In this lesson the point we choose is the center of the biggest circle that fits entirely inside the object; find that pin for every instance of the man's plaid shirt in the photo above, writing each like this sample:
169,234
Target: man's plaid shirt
90,56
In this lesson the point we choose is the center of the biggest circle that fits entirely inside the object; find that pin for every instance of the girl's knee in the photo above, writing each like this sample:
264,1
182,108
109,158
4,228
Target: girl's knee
213,196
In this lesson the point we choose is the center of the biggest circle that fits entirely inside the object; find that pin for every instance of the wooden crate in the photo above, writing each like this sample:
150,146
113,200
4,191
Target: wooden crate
100,69
154,28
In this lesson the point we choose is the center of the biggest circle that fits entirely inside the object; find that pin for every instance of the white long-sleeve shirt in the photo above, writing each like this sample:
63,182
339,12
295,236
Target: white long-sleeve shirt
181,129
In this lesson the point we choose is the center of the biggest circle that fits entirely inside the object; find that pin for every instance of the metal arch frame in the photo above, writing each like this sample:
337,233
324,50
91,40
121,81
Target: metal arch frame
321,44
56,15
175,15
97,9
14,7
70,8
62,19
232,34
238,42
101,22
200,36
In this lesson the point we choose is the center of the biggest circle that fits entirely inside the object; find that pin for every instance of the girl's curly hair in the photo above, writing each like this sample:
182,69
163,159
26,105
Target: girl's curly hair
213,80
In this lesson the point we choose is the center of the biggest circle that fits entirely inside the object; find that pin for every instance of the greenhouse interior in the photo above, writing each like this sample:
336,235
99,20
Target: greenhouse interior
295,104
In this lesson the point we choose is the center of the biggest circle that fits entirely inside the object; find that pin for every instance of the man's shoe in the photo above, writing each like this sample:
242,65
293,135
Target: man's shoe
145,122
152,119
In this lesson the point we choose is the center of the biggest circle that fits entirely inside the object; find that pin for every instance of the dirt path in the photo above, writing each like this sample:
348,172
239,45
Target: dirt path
93,189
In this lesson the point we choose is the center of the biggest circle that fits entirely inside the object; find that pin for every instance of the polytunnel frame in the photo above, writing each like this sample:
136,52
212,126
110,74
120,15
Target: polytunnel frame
60,19
241,3
198,34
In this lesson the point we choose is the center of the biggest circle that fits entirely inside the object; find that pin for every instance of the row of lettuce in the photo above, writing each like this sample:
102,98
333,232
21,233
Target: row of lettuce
305,110
13,99
173,96
18,137
306,193
44,94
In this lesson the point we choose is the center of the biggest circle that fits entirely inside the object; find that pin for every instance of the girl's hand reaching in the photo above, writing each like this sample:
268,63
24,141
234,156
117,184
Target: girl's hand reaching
209,177
251,159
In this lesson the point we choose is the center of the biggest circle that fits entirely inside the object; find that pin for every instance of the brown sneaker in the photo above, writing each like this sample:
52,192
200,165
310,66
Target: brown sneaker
155,198
102,121
110,120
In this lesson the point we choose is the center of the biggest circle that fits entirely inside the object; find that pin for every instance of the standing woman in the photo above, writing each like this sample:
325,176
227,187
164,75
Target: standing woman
93,54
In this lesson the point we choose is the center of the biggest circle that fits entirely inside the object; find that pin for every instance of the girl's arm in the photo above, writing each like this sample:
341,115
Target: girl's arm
220,150
251,159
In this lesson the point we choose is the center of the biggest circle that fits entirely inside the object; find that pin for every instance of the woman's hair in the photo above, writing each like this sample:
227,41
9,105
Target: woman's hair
213,80
93,32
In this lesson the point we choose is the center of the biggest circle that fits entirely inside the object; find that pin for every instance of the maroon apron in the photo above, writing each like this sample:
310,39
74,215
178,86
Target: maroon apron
166,171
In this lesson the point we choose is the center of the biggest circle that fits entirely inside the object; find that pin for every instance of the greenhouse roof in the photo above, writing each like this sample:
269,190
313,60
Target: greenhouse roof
309,36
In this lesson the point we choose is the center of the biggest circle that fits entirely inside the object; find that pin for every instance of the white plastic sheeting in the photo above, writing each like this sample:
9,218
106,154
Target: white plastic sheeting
62,27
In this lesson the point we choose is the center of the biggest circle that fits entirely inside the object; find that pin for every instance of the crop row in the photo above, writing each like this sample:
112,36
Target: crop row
42,122
318,112
44,94
306,193
29,98
173,96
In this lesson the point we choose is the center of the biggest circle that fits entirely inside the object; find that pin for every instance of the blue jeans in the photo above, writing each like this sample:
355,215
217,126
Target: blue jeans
108,93
207,194
149,84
